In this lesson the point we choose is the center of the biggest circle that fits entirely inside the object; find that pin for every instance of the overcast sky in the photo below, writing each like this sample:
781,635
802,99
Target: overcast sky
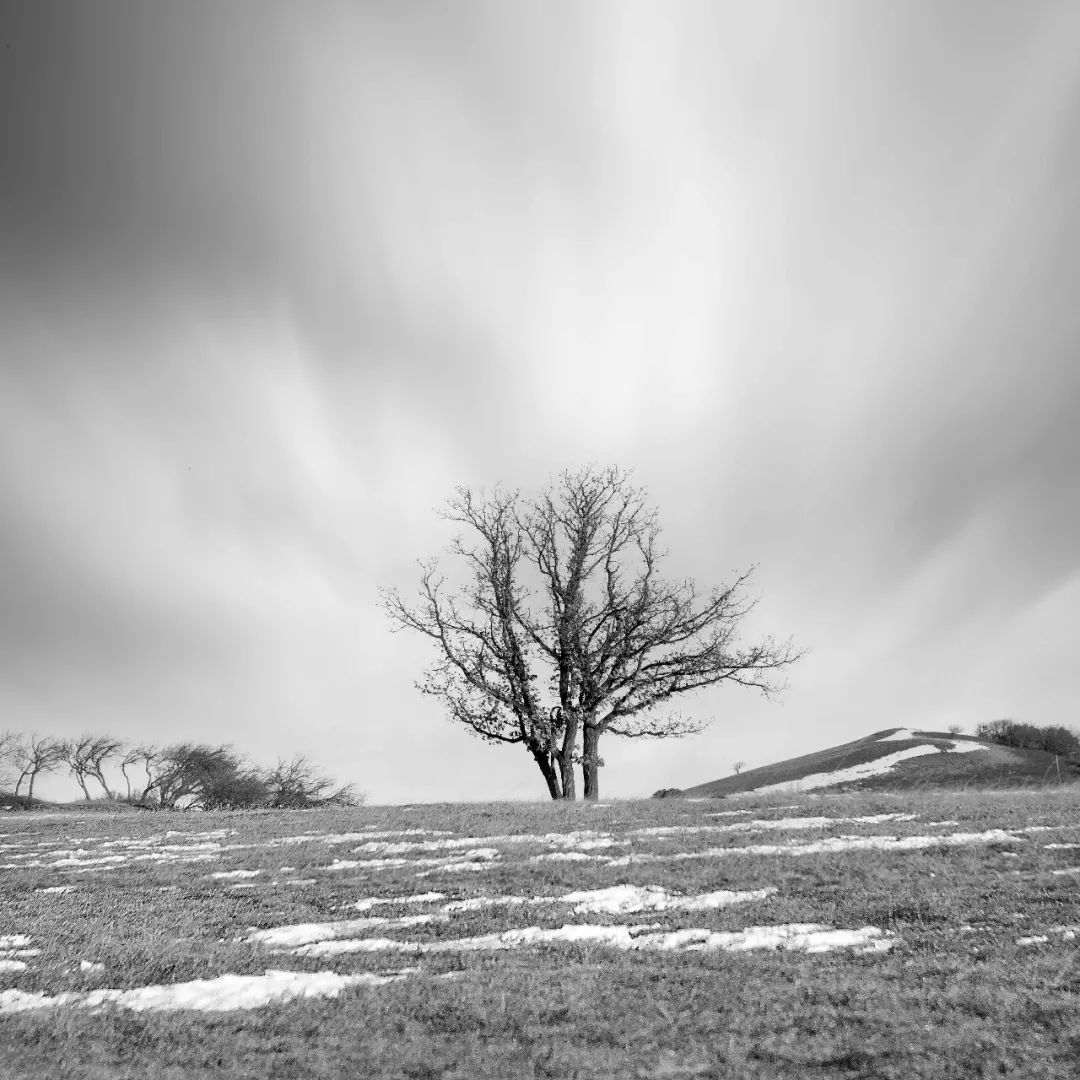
274,278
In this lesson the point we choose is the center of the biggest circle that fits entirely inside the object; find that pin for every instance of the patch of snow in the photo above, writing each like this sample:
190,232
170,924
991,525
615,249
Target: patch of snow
236,873
14,941
477,903
833,844
12,965
804,937
566,856
1035,939
55,889
625,899
305,933
422,898
1067,870
965,746
89,965
767,824
1061,847
222,994
900,735
877,767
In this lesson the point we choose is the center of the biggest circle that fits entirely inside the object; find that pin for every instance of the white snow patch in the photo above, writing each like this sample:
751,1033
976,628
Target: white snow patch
832,844
805,937
900,735
55,889
877,767
965,746
421,898
1067,870
89,966
477,903
12,965
1061,847
1035,939
306,933
624,899
566,856
222,994
14,941
236,873
768,824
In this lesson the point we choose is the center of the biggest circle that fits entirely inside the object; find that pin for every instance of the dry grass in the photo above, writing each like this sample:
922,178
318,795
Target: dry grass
956,996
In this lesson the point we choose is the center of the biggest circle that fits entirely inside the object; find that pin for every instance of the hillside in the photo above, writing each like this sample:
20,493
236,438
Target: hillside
899,758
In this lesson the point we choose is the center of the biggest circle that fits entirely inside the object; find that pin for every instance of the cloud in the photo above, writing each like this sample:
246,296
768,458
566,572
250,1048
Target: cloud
272,284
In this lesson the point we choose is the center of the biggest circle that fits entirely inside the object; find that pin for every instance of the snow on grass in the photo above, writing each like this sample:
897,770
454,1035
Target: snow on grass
305,933
14,941
965,746
624,899
766,824
1061,847
236,873
422,898
222,994
616,900
866,769
55,889
900,735
582,840
474,859
803,937
567,856
12,965
831,845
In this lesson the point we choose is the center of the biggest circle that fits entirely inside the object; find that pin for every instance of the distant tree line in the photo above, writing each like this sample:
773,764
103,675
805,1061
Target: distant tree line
1054,739
181,776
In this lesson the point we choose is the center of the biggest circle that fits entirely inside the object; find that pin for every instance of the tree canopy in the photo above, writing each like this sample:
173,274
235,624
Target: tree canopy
560,627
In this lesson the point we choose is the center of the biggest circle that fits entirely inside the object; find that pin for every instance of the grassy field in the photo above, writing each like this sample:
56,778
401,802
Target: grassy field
864,935
951,765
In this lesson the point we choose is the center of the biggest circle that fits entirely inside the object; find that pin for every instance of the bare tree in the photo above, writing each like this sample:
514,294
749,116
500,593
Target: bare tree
738,767
149,756
568,584
298,785
206,777
33,755
86,757
9,749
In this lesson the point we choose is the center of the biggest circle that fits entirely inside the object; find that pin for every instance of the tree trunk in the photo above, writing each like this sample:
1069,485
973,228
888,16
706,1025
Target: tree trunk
30,788
590,761
551,777
566,756
82,784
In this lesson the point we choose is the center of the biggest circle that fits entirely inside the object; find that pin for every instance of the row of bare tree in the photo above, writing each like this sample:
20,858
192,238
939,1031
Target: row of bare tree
184,775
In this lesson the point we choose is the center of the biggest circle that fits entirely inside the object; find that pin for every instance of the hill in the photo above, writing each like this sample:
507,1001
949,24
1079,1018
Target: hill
899,758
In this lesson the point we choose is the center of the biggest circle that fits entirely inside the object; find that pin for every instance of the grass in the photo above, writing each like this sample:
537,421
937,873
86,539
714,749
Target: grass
955,997
992,767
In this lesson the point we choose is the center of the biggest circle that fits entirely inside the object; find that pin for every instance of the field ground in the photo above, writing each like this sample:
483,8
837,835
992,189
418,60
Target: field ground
920,934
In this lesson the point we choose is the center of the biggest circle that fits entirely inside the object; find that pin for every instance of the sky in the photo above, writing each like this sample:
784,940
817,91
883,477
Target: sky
275,278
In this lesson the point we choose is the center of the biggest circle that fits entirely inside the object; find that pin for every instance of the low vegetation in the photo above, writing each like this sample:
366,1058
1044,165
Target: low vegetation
184,775
875,934
1053,739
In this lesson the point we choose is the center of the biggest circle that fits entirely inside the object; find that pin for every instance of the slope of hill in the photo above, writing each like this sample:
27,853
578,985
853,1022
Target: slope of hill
900,758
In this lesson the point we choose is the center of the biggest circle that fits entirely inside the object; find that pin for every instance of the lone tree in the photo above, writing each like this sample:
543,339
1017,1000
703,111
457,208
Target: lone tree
86,757
562,627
